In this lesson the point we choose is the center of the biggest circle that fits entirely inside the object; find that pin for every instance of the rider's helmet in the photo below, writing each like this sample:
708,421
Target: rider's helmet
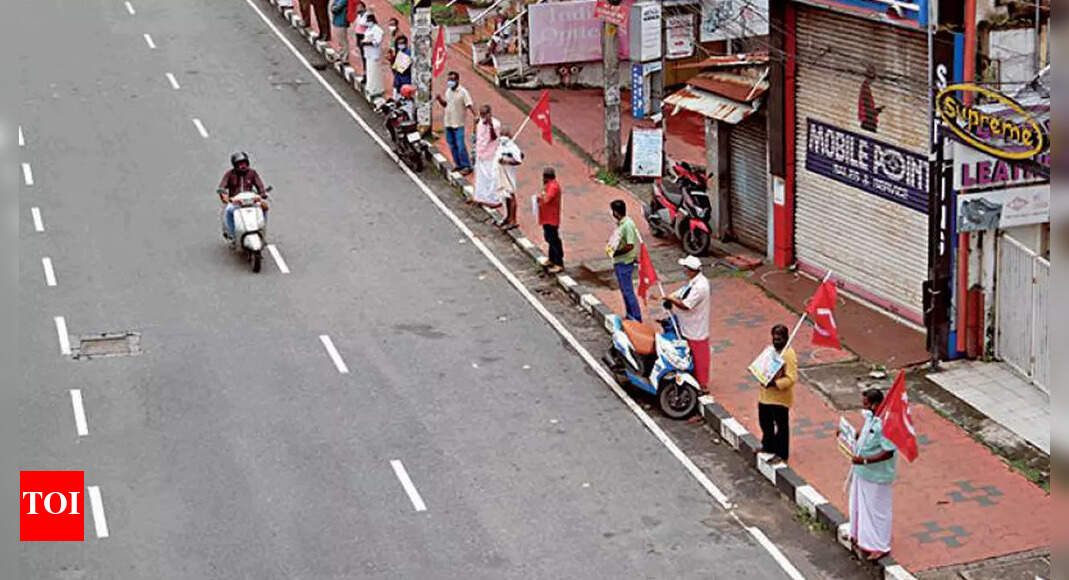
239,157
408,91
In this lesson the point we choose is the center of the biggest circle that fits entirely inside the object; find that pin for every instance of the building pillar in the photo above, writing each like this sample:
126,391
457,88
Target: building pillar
718,162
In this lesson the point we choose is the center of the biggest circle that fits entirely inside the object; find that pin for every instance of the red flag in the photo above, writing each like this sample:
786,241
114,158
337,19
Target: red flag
439,54
821,311
647,276
540,116
897,423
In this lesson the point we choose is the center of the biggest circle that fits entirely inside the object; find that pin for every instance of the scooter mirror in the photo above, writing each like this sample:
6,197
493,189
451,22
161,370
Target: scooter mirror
269,188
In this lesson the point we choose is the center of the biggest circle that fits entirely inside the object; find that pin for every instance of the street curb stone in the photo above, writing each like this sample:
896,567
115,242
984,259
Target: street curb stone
719,419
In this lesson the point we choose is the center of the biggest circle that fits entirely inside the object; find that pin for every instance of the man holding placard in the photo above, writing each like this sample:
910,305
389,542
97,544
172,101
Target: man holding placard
777,394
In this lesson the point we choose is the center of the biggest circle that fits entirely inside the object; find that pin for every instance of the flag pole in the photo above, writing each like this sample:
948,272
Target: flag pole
797,326
523,125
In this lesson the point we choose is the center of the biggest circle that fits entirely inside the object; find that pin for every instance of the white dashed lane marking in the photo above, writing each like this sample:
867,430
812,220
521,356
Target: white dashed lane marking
148,41
80,423
50,273
282,267
334,355
130,9
27,174
173,81
406,482
200,128
22,140
97,503
61,333
38,222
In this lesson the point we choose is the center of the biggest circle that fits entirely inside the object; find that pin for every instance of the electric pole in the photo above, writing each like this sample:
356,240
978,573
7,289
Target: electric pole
611,67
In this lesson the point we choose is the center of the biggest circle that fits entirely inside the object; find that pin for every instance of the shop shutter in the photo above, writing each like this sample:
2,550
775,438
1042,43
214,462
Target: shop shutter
749,182
877,244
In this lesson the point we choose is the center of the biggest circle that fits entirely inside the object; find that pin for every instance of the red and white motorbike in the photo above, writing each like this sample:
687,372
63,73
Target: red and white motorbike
680,207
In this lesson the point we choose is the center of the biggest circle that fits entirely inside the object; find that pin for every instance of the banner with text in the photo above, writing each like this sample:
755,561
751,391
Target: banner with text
567,32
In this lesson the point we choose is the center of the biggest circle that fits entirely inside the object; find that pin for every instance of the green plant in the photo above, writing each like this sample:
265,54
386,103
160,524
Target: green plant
808,520
449,15
404,8
1033,474
607,176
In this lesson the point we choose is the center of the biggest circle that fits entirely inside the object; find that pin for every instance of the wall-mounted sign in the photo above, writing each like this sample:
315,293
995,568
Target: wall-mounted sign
724,19
912,13
976,170
566,32
868,164
613,14
1007,132
645,24
679,36
638,92
1005,208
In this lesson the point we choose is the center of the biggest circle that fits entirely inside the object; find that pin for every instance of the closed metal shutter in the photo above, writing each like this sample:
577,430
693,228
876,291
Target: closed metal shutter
877,244
749,182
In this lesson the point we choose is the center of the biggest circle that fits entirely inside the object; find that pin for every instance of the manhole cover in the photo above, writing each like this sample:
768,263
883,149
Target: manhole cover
108,344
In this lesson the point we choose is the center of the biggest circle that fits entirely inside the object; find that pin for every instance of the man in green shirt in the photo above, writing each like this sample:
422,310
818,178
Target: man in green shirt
623,249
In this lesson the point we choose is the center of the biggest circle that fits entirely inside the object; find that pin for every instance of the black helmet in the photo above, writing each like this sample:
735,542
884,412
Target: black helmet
238,157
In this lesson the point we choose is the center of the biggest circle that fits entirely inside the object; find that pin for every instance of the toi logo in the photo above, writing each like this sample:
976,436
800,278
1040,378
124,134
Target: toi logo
51,506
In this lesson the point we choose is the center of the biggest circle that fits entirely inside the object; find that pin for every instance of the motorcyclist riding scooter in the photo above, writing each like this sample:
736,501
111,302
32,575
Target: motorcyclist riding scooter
241,177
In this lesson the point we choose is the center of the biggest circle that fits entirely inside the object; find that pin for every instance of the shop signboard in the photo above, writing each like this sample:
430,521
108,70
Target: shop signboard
1005,208
1005,129
727,19
679,36
568,32
911,13
977,170
871,165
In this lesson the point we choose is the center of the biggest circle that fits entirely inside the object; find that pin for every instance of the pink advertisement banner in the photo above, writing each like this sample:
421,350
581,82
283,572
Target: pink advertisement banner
564,32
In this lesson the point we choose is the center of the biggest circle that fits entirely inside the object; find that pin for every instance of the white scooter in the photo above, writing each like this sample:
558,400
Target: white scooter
249,226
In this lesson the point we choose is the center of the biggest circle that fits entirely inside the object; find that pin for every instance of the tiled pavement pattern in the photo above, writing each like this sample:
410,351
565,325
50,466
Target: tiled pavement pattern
997,391
958,503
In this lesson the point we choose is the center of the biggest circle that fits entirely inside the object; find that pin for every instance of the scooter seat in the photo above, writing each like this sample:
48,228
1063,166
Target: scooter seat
642,336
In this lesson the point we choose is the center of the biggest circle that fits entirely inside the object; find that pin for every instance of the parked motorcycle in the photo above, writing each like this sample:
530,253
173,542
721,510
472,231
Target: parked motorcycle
250,231
657,361
680,207
407,143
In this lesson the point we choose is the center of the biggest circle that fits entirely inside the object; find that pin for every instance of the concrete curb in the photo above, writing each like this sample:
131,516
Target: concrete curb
782,477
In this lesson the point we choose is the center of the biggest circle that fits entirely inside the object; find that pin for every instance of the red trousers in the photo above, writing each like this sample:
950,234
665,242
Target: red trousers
699,351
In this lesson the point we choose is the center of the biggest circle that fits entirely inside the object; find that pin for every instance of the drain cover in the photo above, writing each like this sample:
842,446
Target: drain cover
108,344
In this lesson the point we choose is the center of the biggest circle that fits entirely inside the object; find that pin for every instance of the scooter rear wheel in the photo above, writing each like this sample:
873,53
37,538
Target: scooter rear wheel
257,260
695,242
677,401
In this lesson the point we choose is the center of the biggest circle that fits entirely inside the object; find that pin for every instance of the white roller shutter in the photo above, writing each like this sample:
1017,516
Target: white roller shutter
749,182
865,239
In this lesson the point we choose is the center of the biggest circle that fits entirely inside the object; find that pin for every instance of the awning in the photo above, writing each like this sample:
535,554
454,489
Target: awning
711,105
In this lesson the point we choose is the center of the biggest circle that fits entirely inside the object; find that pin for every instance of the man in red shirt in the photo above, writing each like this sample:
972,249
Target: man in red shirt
549,219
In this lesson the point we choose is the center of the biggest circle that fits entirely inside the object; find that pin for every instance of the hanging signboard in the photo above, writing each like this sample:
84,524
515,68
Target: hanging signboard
567,32
647,152
1007,131
638,92
868,164
1005,208
645,26
726,19
679,36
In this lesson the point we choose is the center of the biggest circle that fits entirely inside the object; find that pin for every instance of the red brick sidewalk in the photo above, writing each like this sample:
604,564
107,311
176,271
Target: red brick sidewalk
957,503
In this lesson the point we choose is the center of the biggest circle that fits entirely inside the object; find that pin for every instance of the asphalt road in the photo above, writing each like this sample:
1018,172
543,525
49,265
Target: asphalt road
233,447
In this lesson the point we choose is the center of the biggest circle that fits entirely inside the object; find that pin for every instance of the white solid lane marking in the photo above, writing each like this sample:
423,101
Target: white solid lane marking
22,140
777,555
148,41
173,81
278,259
27,174
64,338
406,482
79,413
97,504
130,9
50,274
589,359
200,128
333,352
38,223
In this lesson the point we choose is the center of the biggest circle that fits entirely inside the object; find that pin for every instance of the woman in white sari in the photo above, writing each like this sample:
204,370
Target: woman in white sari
873,472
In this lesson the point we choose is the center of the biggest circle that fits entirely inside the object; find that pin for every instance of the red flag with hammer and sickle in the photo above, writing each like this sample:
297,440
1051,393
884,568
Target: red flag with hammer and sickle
540,116
821,311
439,54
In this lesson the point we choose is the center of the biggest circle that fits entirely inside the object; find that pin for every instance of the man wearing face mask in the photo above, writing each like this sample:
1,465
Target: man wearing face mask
774,401
400,58
372,56
457,102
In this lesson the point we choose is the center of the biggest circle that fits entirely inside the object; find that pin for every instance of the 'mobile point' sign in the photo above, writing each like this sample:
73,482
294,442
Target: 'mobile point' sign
1008,132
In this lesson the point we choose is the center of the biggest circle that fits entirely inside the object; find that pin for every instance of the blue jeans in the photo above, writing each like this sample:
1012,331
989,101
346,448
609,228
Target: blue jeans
627,289
454,136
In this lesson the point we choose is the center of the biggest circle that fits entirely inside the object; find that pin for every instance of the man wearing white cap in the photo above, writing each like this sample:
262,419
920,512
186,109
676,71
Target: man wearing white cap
692,302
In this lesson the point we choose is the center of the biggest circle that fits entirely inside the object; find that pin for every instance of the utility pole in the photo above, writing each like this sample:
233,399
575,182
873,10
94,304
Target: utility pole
610,61
421,64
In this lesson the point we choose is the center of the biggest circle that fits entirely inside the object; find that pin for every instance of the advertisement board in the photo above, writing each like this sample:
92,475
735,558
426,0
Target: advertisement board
567,32
1005,208
679,36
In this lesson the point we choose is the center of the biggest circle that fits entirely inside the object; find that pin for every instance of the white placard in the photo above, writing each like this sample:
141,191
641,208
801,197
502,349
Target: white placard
647,152
679,36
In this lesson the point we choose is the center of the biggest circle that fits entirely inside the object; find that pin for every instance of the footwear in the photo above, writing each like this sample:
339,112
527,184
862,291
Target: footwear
775,460
466,171
554,269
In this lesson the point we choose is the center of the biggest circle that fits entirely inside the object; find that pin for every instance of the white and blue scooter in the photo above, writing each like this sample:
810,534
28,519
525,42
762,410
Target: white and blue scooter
657,362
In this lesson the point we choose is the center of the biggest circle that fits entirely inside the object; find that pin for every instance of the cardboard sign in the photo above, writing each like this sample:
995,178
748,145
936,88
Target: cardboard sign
766,365
847,437
402,62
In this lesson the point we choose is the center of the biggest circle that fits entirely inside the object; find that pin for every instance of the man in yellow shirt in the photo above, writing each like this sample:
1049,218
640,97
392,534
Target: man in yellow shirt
774,402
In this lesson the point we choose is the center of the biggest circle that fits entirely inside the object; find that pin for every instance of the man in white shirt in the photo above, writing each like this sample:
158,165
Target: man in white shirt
372,55
692,303
507,158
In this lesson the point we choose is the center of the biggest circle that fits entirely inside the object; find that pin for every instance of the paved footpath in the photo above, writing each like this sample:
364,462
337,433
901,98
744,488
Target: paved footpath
957,503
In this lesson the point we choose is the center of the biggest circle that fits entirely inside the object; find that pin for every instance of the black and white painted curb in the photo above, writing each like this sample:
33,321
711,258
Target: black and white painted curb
715,415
